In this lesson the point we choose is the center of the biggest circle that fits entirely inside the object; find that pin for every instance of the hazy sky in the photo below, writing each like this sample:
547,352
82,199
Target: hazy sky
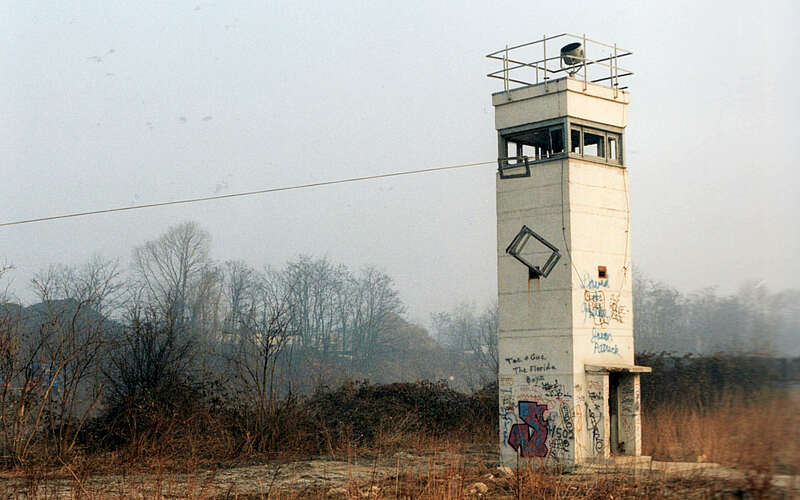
106,104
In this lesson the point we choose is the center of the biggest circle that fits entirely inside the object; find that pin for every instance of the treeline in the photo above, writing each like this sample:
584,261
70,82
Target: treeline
108,353
308,304
699,382
751,321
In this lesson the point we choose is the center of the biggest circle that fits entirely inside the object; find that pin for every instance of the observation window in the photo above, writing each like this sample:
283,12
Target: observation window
537,144
595,143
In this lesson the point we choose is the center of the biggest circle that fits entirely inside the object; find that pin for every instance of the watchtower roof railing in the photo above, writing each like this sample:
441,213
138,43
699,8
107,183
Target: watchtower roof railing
529,63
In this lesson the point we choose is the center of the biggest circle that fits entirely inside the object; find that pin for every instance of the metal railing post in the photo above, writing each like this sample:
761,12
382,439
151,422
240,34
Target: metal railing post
544,53
505,74
585,55
616,73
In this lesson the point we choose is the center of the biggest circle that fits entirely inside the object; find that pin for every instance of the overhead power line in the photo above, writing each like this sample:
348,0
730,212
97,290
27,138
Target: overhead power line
245,193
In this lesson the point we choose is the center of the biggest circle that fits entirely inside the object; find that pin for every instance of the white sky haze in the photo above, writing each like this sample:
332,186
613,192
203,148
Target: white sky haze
106,104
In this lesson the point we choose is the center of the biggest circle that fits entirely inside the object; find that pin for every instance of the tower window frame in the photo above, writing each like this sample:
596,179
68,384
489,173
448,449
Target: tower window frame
519,147
604,143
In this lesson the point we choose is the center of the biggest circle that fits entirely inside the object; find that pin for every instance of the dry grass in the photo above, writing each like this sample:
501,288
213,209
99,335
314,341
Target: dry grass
756,434
449,476
761,432
460,479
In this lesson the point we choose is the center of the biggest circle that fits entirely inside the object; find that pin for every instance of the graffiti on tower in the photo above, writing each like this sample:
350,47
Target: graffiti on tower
530,437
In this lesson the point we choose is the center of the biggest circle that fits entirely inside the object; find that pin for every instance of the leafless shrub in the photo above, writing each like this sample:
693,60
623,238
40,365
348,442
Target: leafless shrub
149,376
255,337
51,356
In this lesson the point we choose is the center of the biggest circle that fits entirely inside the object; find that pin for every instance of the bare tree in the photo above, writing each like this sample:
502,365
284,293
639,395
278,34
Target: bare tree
474,336
75,303
312,286
239,282
208,308
376,300
52,354
256,342
455,328
152,361
171,271
483,342
337,313
660,313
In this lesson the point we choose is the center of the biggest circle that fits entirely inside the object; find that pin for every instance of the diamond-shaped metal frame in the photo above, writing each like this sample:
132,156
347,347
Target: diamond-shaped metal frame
519,242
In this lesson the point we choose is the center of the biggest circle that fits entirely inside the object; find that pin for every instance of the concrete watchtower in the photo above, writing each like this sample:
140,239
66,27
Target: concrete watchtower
569,389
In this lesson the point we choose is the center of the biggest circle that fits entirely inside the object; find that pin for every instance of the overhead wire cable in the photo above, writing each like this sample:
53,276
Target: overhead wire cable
627,230
244,193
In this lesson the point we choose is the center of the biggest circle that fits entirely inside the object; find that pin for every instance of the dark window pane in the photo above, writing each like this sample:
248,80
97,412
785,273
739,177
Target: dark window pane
575,141
557,140
541,143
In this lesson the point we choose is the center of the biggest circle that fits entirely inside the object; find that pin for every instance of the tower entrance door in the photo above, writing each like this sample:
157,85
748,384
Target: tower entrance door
613,414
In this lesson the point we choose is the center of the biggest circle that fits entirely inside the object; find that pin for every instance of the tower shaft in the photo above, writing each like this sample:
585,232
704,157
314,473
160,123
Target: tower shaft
569,388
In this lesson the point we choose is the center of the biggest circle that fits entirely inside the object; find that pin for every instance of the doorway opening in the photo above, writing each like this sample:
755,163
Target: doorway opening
613,413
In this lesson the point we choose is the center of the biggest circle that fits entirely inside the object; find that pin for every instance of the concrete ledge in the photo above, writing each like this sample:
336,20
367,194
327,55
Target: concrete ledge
617,368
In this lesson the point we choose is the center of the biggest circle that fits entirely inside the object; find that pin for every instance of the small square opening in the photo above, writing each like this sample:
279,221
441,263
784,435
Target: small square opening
601,272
